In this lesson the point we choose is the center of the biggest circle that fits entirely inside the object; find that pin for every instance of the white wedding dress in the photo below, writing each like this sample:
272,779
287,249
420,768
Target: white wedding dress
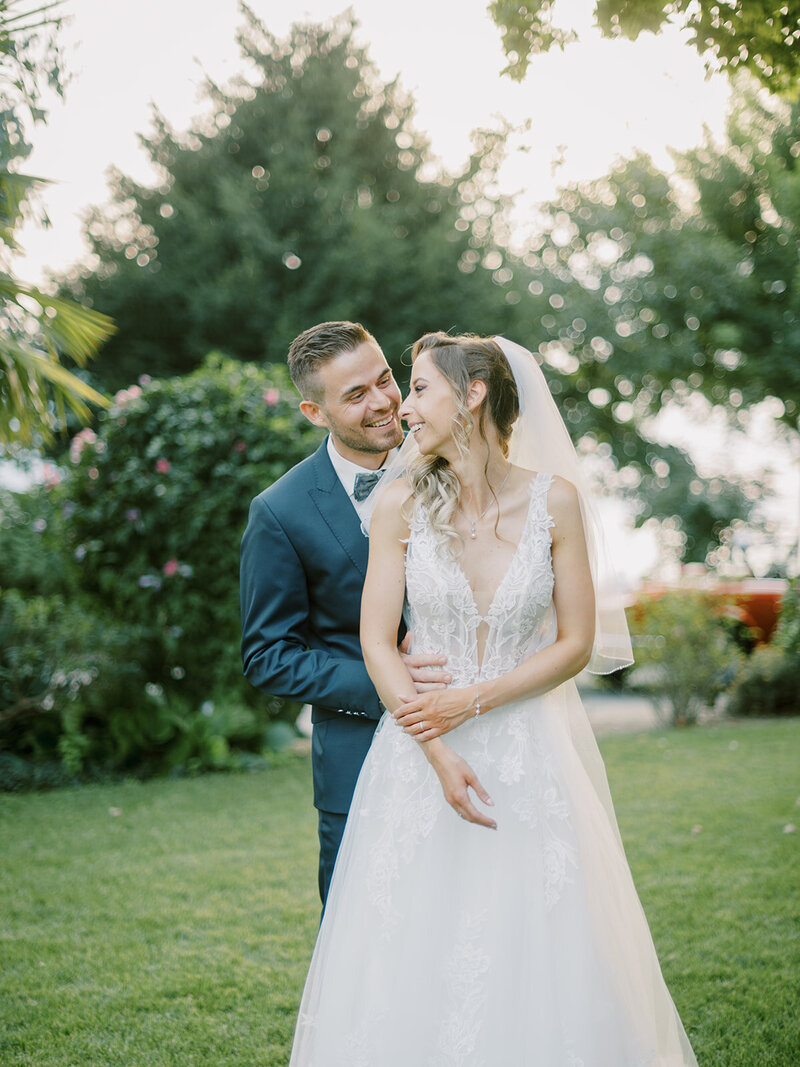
445,944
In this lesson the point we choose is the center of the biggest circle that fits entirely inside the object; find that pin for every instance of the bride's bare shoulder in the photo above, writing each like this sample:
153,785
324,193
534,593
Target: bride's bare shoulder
393,508
563,502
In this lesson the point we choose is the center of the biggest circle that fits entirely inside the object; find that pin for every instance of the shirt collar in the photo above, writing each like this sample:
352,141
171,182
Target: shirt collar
346,470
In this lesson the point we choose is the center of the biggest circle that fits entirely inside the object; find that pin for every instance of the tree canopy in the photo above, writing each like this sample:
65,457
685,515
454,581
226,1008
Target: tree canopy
689,282
760,36
650,288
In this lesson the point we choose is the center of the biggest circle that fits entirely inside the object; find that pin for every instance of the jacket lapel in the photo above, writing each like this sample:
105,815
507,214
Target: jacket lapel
337,510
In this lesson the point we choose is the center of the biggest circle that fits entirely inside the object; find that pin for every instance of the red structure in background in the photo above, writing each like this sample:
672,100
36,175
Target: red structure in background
755,603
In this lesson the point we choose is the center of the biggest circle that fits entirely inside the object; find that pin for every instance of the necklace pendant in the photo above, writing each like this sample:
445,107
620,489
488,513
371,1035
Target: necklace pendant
473,533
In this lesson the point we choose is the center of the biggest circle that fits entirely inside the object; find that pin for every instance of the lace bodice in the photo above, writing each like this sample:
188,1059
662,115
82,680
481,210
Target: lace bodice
441,610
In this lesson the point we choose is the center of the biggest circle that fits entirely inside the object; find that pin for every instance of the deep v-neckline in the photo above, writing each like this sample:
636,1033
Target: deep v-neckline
524,533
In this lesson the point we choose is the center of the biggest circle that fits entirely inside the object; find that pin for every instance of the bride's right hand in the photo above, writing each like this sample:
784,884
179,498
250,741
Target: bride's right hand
457,778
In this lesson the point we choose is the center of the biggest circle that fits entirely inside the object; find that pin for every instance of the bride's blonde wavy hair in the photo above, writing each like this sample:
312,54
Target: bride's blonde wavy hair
462,360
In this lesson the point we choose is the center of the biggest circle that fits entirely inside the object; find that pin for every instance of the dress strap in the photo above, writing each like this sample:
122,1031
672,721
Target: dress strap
538,489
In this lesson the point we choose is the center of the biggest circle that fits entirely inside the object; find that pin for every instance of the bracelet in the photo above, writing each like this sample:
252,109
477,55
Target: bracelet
477,701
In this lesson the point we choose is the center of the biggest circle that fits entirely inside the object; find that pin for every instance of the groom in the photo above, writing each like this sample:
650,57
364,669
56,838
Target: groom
304,560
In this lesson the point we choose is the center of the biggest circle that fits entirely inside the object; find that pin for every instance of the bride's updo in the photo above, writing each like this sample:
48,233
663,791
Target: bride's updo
462,360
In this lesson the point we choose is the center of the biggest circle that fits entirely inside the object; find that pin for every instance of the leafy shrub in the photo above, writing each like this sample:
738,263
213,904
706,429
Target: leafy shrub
75,703
684,645
160,496
31,540
60,666
768,682
787,631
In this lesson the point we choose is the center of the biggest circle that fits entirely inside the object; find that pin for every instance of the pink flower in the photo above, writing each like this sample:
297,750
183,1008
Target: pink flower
79,442
133,514
51,476
171,567
124,396
163,466
94,473
144,379
240,446
271,397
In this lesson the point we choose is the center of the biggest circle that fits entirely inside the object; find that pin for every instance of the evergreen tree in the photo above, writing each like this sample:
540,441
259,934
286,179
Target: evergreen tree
304,195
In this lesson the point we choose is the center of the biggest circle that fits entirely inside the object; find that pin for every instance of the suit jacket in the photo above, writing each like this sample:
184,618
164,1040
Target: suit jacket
303,564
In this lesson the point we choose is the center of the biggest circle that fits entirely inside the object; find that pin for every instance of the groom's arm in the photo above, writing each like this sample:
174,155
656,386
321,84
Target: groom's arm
275,622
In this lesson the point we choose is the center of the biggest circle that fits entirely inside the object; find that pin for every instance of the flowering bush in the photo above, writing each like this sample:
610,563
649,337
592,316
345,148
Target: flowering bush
119,600
160,495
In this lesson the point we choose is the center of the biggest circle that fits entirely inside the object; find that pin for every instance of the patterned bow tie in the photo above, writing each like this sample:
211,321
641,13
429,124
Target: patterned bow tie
364,485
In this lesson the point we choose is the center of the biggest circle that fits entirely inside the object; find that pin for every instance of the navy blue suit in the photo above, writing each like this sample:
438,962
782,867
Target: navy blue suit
303,564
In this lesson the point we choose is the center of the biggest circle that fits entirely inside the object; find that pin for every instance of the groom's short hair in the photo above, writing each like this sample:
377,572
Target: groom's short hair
316,346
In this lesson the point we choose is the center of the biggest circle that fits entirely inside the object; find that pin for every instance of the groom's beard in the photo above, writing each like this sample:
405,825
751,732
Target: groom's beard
372,440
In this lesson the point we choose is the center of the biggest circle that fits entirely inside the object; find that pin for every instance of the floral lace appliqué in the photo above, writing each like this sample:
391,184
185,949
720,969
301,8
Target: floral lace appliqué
466,986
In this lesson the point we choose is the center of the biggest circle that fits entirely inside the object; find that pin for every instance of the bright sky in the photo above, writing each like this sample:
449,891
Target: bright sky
595,101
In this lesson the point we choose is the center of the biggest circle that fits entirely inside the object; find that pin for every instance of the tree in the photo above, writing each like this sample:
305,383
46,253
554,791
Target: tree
760,36
302,197
649,289
749,204
36,328
692,283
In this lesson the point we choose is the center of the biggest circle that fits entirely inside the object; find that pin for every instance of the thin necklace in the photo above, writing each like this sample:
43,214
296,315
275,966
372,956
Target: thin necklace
473,533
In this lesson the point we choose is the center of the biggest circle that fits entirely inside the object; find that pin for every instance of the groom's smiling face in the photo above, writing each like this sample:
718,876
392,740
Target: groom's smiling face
358,405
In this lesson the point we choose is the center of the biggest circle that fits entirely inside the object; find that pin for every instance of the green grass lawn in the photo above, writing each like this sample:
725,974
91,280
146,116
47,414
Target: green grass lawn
171,922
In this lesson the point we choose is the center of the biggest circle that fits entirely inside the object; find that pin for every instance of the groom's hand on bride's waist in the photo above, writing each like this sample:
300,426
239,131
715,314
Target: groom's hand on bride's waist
427,672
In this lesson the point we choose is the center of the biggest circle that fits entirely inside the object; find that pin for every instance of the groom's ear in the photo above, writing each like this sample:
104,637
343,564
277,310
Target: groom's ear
476,394
314,413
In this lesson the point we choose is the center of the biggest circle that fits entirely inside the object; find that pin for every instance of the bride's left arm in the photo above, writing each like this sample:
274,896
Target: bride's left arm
573,597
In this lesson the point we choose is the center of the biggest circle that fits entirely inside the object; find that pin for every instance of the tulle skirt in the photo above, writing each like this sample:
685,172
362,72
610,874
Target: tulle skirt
445,944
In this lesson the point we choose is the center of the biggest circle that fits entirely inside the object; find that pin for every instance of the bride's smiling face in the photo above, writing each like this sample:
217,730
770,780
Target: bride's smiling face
430,407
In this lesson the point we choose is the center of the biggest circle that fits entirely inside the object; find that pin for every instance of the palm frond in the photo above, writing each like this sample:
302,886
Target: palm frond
64,327
14,190
29,380
38,329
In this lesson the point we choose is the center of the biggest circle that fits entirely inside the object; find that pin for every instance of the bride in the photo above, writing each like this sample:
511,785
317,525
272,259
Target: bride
511,936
